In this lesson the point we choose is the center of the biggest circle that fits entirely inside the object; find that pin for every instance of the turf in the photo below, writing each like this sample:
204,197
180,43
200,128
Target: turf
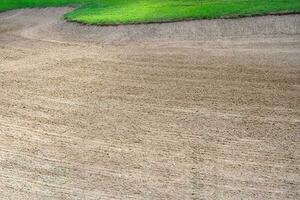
110,12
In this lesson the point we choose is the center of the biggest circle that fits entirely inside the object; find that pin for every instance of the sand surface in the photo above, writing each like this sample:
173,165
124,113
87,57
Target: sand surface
188,110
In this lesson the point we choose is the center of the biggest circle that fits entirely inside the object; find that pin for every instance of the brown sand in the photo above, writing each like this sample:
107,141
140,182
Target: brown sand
188,110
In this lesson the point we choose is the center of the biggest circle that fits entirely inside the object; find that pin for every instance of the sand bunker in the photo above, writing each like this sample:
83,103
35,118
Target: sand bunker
190,110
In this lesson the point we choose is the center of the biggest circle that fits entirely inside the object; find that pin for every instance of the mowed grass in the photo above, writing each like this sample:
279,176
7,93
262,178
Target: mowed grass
112,12
15,4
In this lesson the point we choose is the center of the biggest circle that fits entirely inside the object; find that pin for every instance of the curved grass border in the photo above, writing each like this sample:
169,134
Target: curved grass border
121,12
155,11
184,20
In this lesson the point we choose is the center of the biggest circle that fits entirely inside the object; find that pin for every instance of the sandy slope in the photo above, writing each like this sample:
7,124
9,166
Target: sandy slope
191,110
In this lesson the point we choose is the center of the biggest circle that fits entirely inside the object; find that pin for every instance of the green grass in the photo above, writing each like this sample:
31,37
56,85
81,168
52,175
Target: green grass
109,12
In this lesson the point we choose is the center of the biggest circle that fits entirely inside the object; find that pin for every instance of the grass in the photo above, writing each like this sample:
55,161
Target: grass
110,12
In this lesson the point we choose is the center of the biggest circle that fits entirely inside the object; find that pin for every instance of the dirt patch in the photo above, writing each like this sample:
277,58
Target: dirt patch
190,110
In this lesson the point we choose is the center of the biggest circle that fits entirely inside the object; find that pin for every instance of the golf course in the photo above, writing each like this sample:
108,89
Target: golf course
111,12
111,99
